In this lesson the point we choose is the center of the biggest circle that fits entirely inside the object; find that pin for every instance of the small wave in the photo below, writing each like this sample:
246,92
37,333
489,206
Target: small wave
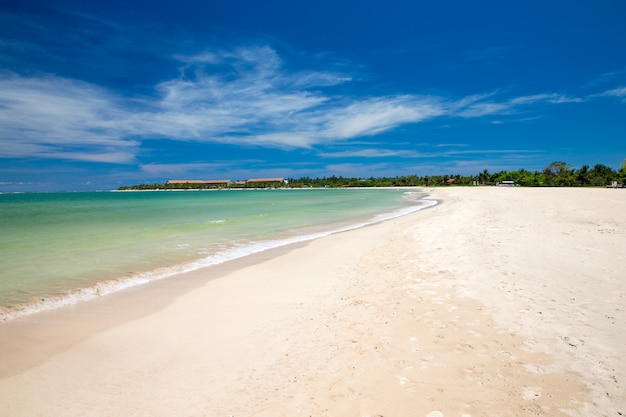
112,286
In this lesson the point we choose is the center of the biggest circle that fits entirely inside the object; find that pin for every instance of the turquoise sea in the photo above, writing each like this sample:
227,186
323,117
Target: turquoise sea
62,248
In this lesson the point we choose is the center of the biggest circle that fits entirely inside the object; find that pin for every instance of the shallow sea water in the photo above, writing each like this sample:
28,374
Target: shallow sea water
60,248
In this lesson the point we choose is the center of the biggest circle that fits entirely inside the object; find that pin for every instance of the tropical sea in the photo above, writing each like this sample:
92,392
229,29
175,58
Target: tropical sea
61,248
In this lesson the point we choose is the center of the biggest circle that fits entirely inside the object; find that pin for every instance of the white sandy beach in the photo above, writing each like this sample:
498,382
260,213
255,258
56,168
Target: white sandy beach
496,302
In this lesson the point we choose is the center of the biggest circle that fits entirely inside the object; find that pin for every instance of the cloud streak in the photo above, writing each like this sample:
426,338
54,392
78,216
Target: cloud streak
242,97
52,117
411,153
616,92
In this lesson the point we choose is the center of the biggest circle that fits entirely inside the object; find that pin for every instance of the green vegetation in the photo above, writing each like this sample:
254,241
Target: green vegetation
555,174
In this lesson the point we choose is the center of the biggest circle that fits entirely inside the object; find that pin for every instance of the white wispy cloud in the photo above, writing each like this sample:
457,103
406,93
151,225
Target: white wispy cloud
605,78
428,151
452,145
242,96
179,169
370,153
52,117
263,105
482,109
616,92
549,98
377,115
491,151
489,105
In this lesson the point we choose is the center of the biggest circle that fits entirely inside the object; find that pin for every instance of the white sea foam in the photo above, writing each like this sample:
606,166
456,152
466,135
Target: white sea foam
239,251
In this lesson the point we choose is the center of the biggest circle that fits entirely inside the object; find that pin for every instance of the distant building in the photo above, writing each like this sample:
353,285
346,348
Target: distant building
207,183
253,182
185,181
265,182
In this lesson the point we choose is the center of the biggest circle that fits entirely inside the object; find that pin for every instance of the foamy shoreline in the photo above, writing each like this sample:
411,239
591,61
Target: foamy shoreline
496,302
105,288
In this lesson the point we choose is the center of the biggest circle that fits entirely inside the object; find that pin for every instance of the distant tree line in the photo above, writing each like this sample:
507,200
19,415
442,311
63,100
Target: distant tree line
555,174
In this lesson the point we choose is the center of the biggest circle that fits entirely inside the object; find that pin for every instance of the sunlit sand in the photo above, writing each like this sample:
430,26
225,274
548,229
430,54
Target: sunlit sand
497,301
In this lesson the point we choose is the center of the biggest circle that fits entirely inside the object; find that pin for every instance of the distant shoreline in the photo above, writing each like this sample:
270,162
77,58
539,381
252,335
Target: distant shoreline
555,174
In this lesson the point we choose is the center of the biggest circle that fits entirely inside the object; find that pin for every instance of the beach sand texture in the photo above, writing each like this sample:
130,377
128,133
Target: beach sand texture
496,302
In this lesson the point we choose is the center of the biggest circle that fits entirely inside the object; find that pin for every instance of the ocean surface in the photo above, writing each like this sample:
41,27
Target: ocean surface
61,248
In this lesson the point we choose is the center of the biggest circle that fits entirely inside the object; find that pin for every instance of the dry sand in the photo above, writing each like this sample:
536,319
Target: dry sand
497,302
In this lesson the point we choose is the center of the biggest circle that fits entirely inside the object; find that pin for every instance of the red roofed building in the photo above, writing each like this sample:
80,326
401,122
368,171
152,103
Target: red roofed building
265,182
206,183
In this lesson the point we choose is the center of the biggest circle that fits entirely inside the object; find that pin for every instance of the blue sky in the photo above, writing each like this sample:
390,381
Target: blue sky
94,95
